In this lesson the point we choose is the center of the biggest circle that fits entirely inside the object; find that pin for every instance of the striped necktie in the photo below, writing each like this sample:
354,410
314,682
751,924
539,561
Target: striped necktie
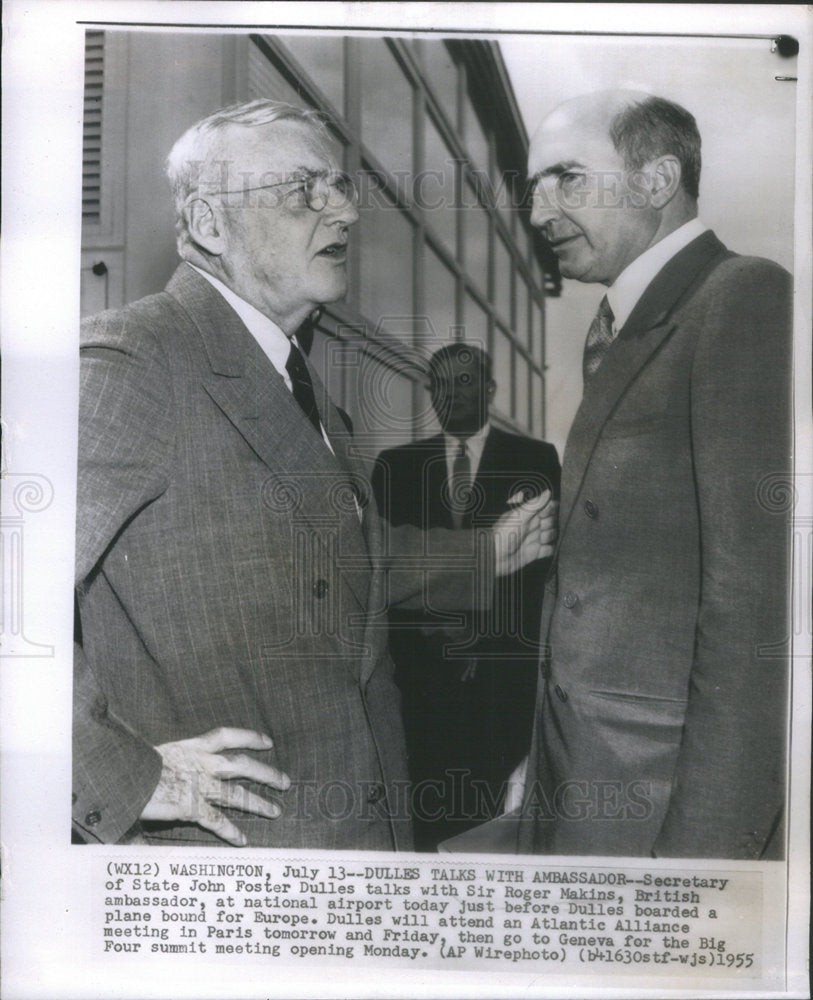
599,339
302,387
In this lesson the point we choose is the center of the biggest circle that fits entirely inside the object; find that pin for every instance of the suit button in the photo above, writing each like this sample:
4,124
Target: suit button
93,818
376,794
320,588
561,694
570,600
590,509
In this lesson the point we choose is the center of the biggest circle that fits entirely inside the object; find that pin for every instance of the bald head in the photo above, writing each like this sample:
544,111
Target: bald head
590,111
613,173
640,127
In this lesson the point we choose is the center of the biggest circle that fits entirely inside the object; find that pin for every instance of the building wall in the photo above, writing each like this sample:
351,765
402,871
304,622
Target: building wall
443,249
155,86
172,82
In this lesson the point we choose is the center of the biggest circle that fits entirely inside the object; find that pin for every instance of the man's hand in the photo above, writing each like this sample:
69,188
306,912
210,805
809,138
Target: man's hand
526,533
195,778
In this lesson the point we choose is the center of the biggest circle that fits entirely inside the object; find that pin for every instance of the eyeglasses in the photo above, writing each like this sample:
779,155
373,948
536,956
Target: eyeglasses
317,190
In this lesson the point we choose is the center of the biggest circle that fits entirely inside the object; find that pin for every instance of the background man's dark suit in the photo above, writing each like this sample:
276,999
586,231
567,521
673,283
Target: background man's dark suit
480,726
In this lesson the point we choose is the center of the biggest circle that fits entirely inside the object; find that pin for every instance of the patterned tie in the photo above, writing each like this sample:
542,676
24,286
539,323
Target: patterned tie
302,387
599,338
459,485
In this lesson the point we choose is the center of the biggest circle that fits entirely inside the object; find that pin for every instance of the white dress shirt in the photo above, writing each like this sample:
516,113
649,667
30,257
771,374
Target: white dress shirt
630,285
274,343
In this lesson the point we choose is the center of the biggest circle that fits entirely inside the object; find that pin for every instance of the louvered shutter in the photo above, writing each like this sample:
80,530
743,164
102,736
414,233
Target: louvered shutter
92,129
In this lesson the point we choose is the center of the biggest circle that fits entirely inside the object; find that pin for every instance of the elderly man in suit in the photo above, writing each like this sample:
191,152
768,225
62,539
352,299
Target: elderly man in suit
467,689
231,677
661,711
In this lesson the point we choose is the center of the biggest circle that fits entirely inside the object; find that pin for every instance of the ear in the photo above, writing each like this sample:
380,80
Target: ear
664,175
206,224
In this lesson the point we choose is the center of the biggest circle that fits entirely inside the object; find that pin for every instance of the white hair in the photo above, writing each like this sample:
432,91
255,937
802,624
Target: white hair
193,160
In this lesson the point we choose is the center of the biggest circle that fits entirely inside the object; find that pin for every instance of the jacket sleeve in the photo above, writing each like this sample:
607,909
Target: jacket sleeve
440,569
554,468
114,771
379,484
728,786
124,439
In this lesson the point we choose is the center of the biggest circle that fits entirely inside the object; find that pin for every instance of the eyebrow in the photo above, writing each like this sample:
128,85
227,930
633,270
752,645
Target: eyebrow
556,169
302,169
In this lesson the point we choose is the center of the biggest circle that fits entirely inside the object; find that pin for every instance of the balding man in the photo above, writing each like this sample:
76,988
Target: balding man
231,680
661,710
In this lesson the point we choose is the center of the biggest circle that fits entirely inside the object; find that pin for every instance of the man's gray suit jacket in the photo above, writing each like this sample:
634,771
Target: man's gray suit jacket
661,710
224,578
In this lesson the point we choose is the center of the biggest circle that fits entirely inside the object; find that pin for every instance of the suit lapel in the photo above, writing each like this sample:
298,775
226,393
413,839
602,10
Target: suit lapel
253,396
341,439
494,473
490,459
649,325
261,407
618,371
677,277
431,487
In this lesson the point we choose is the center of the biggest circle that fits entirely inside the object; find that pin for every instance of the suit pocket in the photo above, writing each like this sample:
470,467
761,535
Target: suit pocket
641,725
633,698
653,423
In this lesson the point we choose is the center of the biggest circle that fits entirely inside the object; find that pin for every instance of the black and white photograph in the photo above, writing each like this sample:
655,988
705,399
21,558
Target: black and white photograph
406,500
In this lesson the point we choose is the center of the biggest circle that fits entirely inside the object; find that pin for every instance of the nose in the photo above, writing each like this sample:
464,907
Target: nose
342,211
350,213
542,213
544,208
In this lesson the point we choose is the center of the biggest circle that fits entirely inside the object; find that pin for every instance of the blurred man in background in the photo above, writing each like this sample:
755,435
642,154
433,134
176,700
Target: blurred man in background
467,687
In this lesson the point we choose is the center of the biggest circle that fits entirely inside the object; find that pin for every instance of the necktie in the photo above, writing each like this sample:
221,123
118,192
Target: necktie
302,387
599,338
459,485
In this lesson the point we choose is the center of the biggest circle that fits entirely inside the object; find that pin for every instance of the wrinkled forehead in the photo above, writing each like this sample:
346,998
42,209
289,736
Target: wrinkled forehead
568,139
251,155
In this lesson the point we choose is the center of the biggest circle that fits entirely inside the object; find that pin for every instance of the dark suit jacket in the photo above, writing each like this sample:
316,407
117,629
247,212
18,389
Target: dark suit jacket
409,483
661,710
484,725
224,579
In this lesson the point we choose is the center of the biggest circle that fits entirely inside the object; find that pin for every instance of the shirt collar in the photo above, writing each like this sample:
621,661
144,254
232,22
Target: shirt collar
274,343
633,281
475,443
471,439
